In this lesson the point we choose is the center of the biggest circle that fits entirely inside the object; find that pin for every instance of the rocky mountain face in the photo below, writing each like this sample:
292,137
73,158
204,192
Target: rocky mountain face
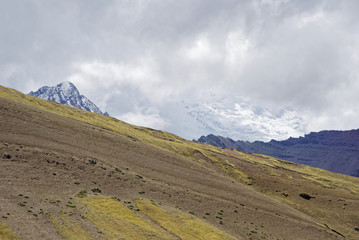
336,151
66,93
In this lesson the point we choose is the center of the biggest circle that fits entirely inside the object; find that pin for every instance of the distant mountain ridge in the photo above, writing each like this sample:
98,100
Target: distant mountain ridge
336,151
66,93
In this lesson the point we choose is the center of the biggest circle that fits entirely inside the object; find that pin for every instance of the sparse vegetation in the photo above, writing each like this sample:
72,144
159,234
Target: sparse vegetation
6,232
82,194
92,161
96,190
189,227
104,212
68,228
116,198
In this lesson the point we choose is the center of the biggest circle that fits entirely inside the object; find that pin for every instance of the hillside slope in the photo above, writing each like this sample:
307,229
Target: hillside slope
335,151
71,174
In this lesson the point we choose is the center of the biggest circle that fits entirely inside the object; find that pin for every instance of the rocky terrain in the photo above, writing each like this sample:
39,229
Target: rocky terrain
72,174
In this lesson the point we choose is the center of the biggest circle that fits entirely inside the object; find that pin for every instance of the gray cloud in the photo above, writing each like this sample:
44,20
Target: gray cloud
135,57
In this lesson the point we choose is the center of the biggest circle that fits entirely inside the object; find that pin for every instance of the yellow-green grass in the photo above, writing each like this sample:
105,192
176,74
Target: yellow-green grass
319,176
68,228
179,224
6,232
115,221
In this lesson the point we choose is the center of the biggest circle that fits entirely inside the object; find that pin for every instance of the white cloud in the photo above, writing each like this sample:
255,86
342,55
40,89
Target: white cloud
112,77
237,47
315,18
12,75
200,50
144,117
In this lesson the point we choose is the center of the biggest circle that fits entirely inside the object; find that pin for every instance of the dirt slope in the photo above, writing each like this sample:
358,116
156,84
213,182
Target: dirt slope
50,153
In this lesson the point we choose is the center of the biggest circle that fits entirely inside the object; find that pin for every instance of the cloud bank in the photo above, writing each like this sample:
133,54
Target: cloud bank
135,58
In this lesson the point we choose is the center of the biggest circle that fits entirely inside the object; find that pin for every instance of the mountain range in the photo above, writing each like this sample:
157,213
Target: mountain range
336,151
66,93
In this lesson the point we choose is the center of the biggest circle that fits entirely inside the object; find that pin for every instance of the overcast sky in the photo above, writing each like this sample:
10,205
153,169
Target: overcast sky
133,57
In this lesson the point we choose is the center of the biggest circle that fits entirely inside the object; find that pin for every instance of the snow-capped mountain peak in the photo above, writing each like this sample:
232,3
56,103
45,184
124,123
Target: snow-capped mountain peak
66,93
68,88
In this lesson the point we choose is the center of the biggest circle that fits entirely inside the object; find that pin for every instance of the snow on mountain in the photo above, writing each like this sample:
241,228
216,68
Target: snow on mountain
66,93
235,118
